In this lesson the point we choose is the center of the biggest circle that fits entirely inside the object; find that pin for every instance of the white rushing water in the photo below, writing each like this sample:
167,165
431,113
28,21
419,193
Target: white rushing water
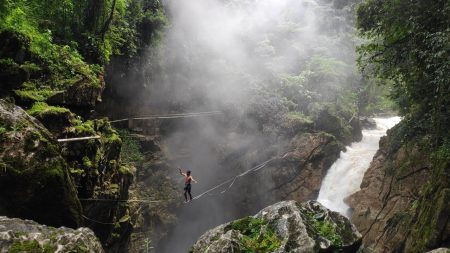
346,174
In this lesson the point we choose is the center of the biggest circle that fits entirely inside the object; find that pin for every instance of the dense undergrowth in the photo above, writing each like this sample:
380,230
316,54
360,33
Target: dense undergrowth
47,47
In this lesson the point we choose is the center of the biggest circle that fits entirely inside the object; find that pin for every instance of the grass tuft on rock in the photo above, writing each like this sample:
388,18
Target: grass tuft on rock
258,236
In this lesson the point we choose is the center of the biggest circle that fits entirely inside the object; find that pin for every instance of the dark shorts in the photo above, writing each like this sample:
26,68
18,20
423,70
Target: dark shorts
187,187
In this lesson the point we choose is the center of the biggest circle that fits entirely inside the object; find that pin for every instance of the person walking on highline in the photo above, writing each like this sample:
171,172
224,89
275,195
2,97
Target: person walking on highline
187,184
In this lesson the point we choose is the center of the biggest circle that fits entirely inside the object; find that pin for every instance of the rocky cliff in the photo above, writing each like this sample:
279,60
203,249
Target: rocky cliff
403,204
34,177
43,180
284,227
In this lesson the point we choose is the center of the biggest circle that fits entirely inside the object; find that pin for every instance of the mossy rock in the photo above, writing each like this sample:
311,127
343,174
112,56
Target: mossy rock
54,118
34,181
47,72
284,227
26,236
327,120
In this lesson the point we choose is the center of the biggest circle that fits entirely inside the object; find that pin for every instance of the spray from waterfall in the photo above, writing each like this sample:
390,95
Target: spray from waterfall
346,174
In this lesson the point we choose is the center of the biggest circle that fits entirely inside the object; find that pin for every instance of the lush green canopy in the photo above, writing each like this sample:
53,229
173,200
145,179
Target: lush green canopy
409,42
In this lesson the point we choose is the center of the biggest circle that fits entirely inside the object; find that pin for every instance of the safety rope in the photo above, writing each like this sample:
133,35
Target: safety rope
79,138
127,200
169,116
229,181
232,180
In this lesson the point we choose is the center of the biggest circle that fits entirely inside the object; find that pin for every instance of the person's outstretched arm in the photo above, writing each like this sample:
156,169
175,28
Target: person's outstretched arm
195,181
183,174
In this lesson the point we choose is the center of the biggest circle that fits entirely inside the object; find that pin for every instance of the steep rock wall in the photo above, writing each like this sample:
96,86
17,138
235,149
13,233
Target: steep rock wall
403,204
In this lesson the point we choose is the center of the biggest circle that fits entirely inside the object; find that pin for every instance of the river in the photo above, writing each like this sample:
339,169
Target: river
346,174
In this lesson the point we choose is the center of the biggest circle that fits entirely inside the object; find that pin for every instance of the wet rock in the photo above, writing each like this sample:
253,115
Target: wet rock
284,227
34,181
18,235
355,125
368,123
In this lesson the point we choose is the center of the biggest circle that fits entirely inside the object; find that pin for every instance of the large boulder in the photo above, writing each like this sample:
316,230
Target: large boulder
18,235
34,181
284,227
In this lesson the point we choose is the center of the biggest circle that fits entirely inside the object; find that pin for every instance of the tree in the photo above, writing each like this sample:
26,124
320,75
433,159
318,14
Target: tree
409,43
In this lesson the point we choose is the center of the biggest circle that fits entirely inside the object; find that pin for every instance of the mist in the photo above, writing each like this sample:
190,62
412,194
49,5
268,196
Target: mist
227,55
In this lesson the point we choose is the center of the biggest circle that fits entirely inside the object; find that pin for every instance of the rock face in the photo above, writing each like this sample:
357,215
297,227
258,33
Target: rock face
300,173
80,94
284,227
34,181
18,235
368,123
404,201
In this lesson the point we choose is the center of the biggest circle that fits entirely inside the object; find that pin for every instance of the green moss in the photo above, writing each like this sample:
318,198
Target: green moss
114,188
84,128
31,247
130,153
3,131
294,122
87,162
42,108
258,236
35,94
324,228
125,170
48,248
76,172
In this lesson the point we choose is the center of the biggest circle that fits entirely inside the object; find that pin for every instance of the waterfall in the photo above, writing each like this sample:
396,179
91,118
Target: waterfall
346,174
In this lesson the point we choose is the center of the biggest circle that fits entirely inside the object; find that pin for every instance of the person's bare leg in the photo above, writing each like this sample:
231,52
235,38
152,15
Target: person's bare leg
190,196
185,196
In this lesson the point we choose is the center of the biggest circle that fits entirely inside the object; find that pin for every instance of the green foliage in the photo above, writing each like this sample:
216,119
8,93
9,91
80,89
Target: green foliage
375,97
327,230
31,247
258,236
130,152
323,227
410,46
3,131
48,46
294,122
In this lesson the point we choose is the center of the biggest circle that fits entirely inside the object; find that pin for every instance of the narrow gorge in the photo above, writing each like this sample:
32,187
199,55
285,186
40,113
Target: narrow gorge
282,111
